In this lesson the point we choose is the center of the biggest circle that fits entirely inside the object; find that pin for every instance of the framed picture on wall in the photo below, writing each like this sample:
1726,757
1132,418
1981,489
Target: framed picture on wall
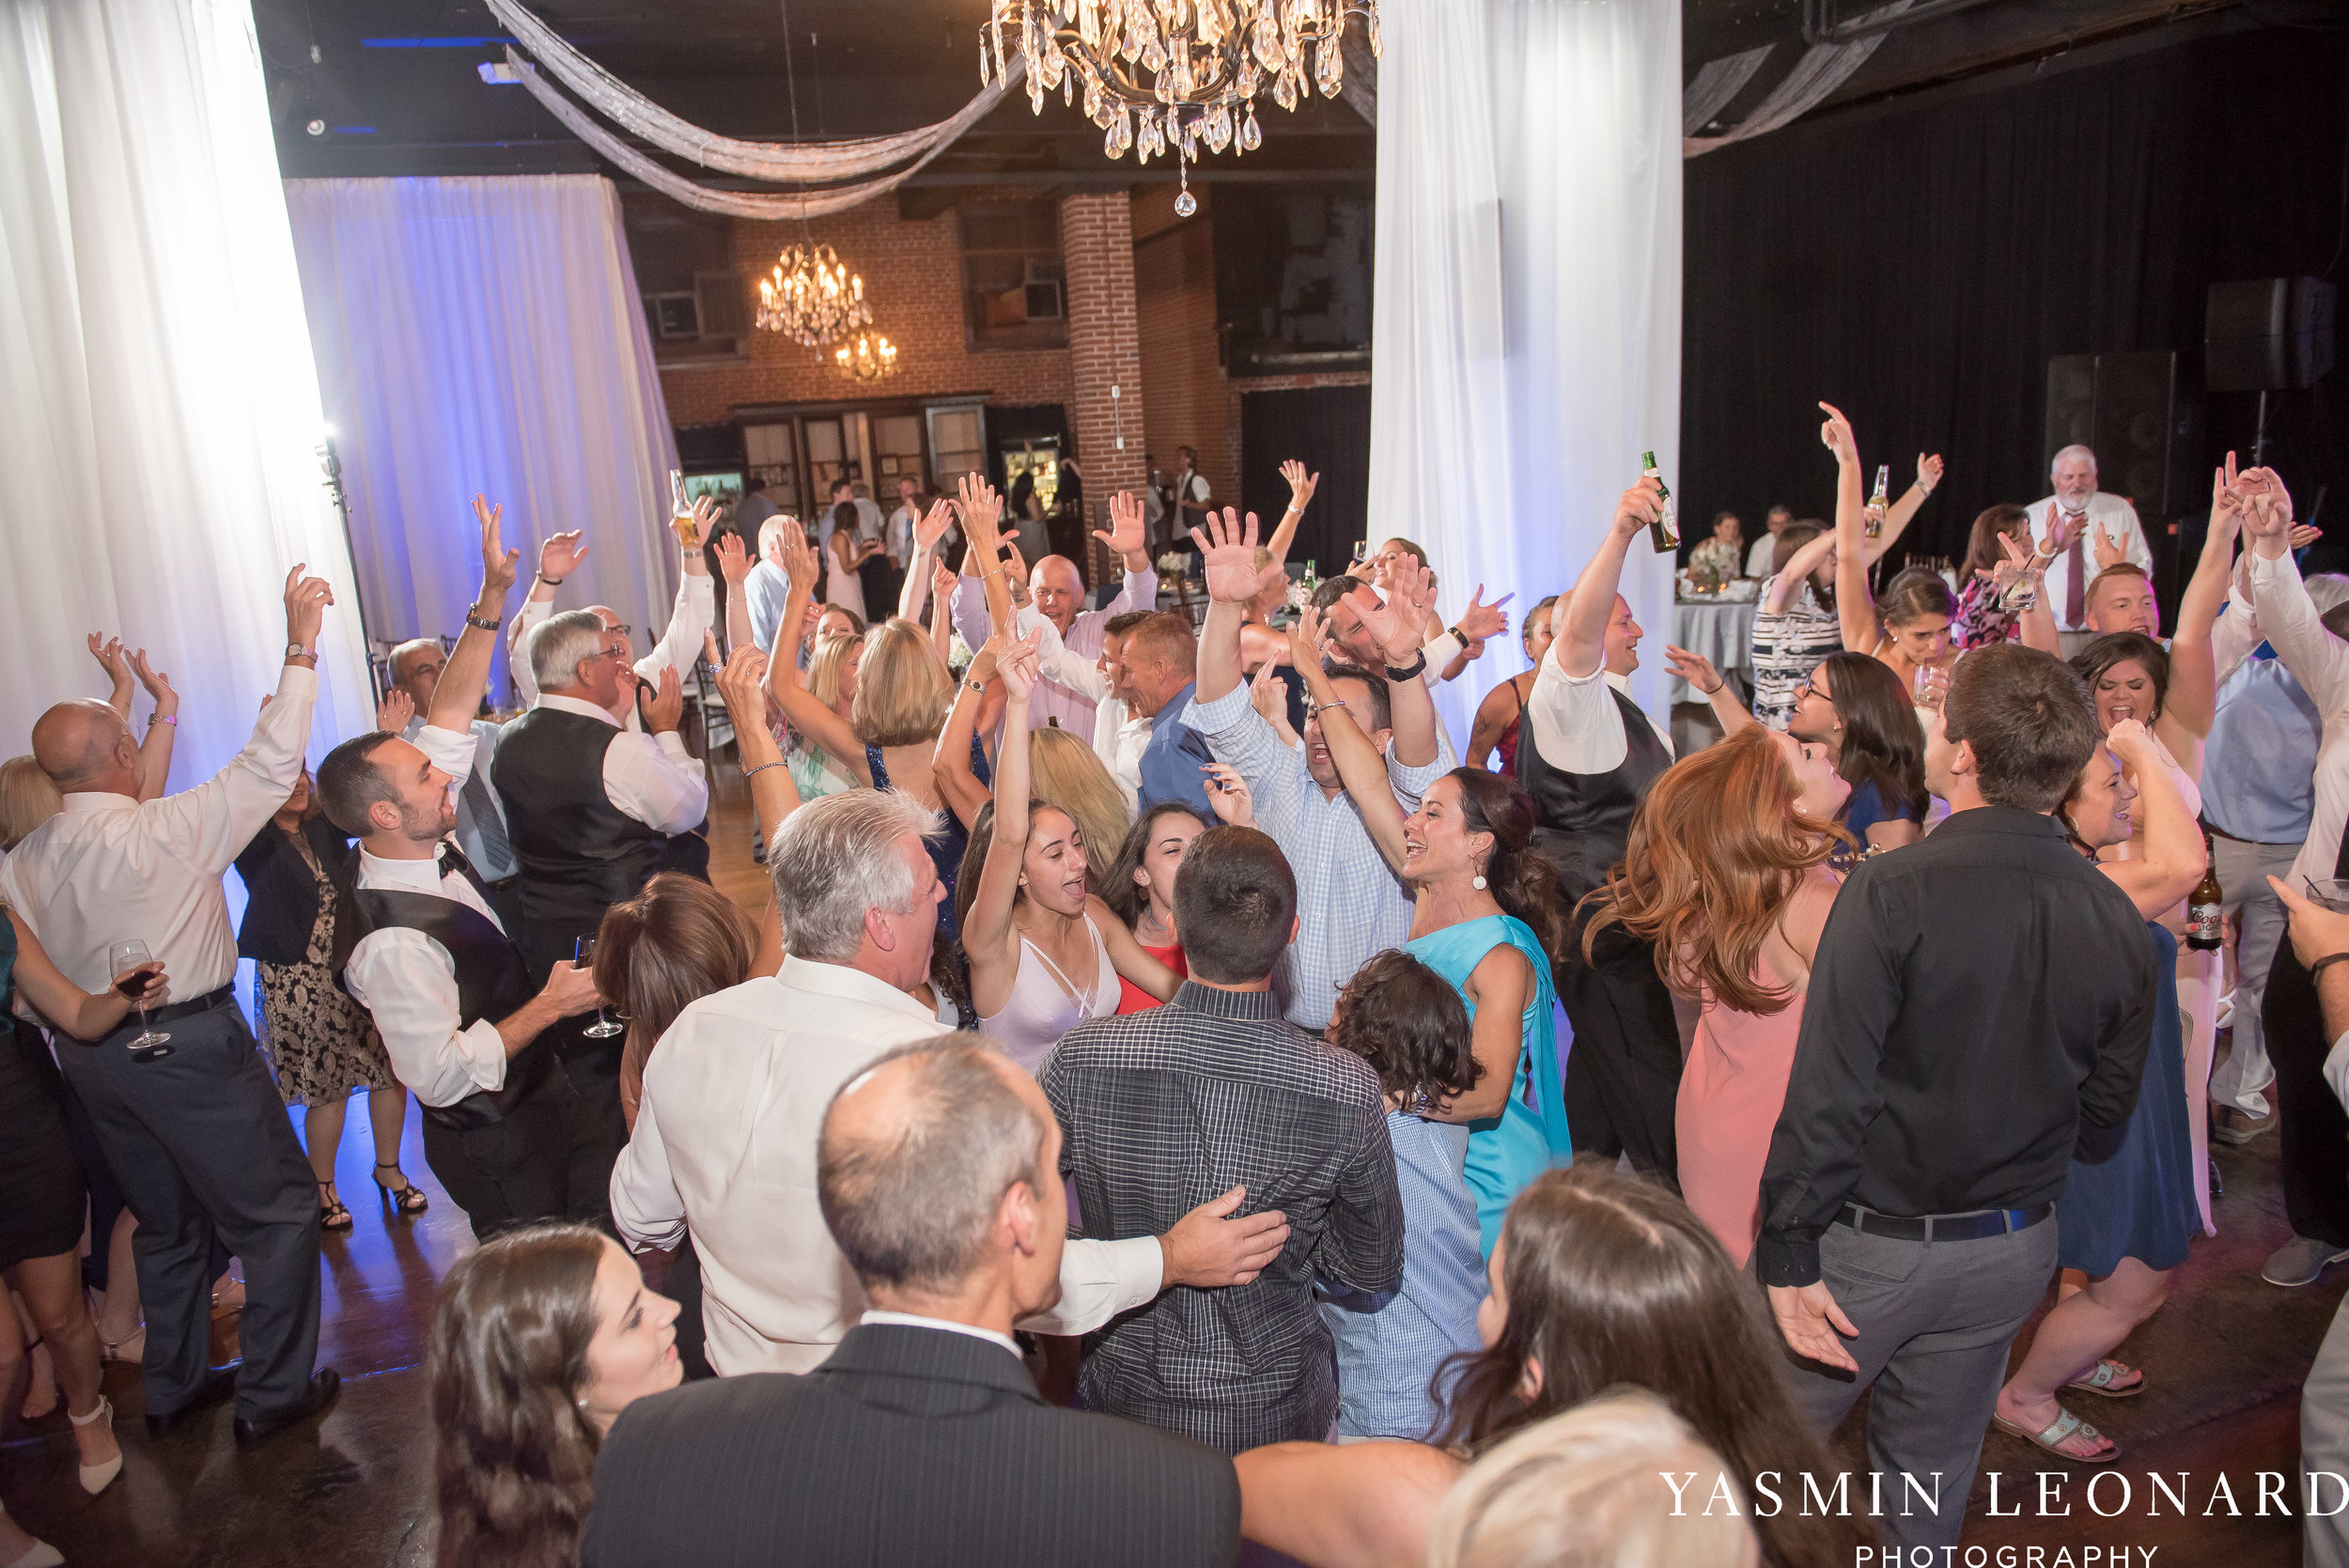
888,467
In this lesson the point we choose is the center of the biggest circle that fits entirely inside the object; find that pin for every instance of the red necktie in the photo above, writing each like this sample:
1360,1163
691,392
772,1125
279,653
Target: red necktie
2075,573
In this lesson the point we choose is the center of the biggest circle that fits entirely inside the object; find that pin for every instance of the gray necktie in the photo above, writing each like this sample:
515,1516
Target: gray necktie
479,808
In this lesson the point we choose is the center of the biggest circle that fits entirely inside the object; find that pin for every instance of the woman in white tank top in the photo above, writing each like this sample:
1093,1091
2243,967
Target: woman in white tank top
1046,954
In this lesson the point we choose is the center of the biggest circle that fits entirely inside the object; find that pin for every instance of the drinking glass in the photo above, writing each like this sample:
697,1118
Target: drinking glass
2331,891
1361,551
130,962
605,1025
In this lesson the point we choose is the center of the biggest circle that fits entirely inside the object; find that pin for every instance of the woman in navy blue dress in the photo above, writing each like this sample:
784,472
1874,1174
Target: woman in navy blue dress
2123,1222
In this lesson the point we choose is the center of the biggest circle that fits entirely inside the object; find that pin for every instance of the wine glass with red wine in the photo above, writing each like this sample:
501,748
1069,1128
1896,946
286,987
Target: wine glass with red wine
132,966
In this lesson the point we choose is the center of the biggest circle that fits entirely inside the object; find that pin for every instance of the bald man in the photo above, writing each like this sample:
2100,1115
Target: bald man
1054,595
921,1440
193,1130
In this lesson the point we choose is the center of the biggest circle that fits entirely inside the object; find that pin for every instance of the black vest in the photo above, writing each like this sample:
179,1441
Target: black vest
579,853
1585,818
493,982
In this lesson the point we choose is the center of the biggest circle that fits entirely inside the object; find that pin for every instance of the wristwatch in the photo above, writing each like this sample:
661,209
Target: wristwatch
479,625
1418,668
295,650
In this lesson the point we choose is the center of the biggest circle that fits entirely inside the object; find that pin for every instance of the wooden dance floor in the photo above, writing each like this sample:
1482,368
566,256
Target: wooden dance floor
2224,1361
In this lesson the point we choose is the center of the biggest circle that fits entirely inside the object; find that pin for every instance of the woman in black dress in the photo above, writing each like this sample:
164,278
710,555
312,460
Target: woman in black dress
42,1197
323,1043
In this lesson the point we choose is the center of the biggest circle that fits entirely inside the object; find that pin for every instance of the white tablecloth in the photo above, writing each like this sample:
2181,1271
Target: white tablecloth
1721,630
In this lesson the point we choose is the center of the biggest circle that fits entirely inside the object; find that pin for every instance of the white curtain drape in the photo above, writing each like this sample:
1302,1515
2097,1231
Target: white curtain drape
484,335
162,403
1526,339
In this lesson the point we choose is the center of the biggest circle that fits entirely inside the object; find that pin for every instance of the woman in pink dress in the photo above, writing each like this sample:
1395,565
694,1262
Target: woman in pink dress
1726,875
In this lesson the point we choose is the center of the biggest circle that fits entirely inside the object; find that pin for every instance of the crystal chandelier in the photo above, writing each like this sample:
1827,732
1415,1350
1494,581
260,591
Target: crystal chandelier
1168,74
869,359
811,297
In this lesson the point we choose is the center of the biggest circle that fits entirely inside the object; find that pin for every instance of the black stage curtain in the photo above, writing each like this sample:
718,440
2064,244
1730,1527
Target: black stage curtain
1919,267
1328,429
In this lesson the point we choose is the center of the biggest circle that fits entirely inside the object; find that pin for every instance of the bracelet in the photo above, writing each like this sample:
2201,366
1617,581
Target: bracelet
759,768
1324,708
550,581
1716,690
1462,634
479,625
154,719
2328,961
1417,667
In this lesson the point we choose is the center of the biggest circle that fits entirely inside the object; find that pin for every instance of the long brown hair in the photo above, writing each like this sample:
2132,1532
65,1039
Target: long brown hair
1611,1280
514,1457
675,942
1983,554
1716,850
1523,883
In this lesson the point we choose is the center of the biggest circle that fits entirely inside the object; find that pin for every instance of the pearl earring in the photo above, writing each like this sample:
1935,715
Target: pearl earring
1478,883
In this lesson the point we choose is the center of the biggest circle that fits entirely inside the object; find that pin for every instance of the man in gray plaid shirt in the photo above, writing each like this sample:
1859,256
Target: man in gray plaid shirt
1161,1107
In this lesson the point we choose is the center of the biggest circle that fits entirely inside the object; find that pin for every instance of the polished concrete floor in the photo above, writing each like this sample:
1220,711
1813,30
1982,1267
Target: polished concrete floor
2224,1361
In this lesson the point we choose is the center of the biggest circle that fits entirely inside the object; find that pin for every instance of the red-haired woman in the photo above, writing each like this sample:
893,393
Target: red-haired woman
1726,875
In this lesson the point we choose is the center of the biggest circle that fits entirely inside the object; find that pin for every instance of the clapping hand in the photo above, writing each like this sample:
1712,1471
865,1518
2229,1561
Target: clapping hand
157,682
393,713
1835,435
1228,550
1480,621
1227,792
110,658
1694,668
561,554
1302,485
497,562
666,709
734,562
1125,533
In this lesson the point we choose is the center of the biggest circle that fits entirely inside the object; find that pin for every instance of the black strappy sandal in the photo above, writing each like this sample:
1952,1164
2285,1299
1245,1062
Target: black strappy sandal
332,1214
407,1200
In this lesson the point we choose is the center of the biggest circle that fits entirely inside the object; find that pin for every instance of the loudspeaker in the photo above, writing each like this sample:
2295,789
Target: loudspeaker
2142,424
2267,334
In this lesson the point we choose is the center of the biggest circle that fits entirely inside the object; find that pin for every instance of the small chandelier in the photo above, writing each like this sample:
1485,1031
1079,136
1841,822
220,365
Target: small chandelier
869,359
811,297
1162,74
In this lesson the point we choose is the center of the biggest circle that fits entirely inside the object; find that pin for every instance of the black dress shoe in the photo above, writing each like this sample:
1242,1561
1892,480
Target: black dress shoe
253,1431
219,1384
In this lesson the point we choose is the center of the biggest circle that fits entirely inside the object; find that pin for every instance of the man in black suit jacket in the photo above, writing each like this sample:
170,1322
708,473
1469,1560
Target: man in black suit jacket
922,1441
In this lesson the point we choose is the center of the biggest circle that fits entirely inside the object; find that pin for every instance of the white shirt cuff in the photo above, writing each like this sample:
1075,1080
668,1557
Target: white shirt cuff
2337,1067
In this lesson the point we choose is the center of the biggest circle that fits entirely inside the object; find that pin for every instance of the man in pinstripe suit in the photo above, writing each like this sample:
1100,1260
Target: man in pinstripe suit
922,1442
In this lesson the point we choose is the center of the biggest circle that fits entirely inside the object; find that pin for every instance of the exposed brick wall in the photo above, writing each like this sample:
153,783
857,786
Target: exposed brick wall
1190,399
1097,246
912,274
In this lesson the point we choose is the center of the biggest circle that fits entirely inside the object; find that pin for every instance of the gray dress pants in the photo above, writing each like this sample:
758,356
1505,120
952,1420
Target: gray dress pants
1936,1320
201,1145
2324,1450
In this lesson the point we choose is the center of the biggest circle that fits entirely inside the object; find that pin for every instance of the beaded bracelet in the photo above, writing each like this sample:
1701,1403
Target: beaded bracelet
760,767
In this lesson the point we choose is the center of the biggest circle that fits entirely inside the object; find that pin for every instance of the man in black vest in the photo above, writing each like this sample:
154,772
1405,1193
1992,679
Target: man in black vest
1592,756
450,992
589,807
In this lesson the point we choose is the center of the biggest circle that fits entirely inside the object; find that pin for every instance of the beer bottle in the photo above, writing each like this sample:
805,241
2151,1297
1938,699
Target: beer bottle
1880,500
1664,533
681,513
2205,925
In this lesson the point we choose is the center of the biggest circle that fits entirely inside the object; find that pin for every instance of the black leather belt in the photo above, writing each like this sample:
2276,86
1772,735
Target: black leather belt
1943,1227
175,1011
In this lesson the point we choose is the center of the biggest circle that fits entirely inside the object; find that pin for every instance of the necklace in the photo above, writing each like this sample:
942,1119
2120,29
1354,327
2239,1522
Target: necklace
1150,922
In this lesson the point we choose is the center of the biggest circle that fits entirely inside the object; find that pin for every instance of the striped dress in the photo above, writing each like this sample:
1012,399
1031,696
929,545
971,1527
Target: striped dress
1788,645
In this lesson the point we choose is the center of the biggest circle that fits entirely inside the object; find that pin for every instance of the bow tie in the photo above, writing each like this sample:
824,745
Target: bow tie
452,859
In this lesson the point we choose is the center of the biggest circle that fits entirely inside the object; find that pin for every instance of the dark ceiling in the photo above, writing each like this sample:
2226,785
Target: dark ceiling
395,82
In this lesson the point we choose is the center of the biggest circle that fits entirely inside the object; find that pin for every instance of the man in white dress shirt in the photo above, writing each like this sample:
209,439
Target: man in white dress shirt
1120,735
1055,591
434,965
2059,524
591,807
197,1136
725,1139
416,670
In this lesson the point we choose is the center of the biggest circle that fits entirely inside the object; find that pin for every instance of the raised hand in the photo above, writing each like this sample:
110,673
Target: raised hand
157,682
1227,792
1016,662
802,563
2134,744
931,525
982,663
1694,668
1480,621
1928,472
667,708
734,562
497,562
1836,436
2016,561
942,582
705,516
1125,532
307,599
1400,627
2302,536
1016,573
742,681
561,554
1306,638
1639,505
1268,692
110,658
2110,552
1228,550
982,508
394,710
1302,485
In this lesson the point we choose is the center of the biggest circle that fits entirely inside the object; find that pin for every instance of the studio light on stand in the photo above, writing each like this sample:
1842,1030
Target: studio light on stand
330,465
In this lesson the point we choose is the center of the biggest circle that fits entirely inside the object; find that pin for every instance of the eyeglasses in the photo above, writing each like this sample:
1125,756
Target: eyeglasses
1810,688
623,628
